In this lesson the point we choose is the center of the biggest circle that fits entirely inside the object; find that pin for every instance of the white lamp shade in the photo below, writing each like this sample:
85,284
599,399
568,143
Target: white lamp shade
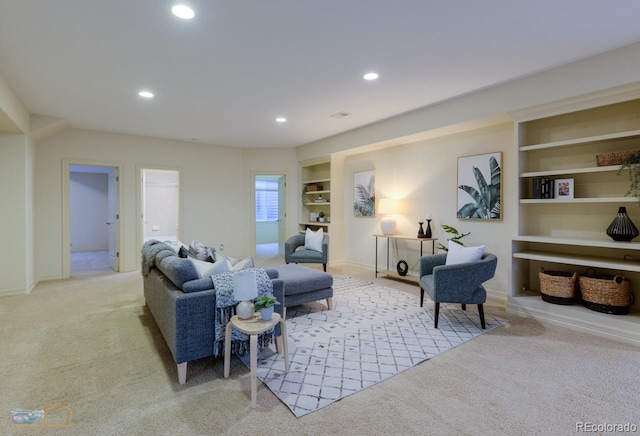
387,206
244,286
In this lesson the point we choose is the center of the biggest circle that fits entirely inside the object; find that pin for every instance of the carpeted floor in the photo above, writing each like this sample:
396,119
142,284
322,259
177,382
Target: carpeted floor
89,344
372,333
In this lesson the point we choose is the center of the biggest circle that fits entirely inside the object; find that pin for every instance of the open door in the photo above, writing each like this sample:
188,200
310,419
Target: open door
113,217
281,215
270,216
160,193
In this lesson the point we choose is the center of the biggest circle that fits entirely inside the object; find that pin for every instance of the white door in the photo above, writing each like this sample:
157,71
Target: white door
282,217
113,218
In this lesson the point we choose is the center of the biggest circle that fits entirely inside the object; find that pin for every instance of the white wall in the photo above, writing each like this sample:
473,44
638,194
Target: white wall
88,211
424,175
215,186
13,219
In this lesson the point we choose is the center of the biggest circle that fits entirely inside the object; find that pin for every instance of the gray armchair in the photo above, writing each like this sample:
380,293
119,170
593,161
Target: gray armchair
292,253
461,283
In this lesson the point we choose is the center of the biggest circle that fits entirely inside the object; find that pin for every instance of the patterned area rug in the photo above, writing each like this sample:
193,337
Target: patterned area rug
372,333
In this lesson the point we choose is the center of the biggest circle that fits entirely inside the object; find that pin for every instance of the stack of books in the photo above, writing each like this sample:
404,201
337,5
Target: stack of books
542,187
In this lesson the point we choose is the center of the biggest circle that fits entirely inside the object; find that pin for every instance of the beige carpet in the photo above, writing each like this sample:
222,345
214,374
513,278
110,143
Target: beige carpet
89,344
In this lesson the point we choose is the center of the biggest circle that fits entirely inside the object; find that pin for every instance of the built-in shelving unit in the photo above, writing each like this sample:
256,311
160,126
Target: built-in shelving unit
561,142
316,196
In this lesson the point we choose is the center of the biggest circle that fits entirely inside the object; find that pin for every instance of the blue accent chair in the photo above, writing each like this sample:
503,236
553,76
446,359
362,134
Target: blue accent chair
460,283
294,255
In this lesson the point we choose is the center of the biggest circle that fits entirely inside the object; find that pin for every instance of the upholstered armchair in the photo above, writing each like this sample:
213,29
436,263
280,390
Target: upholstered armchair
459,283
294,251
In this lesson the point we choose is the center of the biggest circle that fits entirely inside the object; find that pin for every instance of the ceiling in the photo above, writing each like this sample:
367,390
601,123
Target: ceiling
223,77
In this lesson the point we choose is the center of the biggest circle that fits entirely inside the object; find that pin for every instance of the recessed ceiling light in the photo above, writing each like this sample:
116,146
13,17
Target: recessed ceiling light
146,94
371,76
183,11
281,120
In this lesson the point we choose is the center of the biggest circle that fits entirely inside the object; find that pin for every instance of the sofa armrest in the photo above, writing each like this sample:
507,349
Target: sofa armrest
428,263
292,244
185,320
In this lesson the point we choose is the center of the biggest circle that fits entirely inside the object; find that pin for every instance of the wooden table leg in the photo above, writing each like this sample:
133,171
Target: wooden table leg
285,351
253,343
227,349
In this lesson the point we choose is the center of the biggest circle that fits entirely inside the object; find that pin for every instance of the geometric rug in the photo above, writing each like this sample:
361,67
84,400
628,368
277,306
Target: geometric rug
372,333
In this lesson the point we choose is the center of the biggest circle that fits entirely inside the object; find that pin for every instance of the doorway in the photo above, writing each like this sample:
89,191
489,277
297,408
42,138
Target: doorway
93,219
269,215
160,200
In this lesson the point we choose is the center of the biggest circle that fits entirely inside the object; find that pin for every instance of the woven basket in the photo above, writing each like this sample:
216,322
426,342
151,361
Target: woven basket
613,158
557,287
605,293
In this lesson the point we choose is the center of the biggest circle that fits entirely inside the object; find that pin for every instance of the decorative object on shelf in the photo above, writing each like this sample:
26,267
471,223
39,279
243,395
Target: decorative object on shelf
402,268
427,233
617,158
313,217
622,228
314,188
321,216
364,194
484,202
264,304
245,289
388,208
631,163
421,230
563,189
605,293
457,236
558,287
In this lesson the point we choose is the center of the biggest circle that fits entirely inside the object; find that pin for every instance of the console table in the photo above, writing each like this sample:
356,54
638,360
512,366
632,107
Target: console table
394,274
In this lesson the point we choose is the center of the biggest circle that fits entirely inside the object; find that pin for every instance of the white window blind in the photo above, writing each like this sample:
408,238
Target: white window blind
266,200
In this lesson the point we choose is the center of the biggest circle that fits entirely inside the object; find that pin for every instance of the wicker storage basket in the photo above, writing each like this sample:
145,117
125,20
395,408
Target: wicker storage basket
557,287
613,158
312,188
605,293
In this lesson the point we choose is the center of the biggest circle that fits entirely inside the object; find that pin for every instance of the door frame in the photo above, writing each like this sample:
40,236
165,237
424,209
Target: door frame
140,224
66,211
252,207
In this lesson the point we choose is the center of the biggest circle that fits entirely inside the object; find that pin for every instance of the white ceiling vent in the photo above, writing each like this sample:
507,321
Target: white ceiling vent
341,114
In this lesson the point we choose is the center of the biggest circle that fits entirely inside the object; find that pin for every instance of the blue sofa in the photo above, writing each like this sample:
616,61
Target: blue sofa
183,306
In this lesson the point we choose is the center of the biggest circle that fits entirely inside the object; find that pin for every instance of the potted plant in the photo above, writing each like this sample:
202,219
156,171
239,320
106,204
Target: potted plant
631,163
321,217
265,303
457,236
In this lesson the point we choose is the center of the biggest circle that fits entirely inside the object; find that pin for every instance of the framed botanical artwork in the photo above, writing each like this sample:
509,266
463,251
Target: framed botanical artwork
364,194
479,186
563,188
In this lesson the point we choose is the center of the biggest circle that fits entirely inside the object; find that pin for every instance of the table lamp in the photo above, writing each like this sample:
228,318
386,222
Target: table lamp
245,289
388,207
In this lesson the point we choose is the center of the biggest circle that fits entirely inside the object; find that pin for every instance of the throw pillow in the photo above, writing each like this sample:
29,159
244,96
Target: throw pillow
207,269
232,260
313,240
459,254
184,252
201,251
247,262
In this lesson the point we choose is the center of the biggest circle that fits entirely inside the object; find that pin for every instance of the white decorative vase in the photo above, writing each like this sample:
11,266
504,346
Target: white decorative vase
266,313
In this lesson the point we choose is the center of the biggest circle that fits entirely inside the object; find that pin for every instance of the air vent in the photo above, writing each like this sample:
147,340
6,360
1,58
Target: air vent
341,114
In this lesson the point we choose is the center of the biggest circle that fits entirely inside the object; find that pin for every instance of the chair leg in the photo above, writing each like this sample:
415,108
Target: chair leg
324,265
481,313
421,296
464,306
436,315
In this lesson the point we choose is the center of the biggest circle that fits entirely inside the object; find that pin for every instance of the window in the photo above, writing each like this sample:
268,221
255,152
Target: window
266,200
